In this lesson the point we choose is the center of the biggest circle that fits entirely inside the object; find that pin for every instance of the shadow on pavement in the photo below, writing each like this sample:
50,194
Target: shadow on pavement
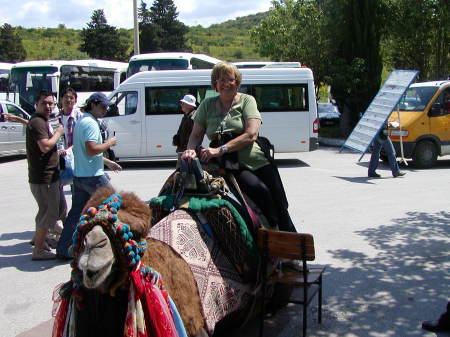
12,158
290,163
359,180
19,255
26,235
388,294
391,293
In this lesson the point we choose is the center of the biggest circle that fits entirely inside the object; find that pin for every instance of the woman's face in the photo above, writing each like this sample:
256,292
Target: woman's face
226,84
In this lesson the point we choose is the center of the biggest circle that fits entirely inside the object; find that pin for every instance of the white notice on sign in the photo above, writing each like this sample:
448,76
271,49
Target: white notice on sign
379,110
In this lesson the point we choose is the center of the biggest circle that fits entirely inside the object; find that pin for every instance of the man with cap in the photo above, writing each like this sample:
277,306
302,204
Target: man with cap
180,140
88,149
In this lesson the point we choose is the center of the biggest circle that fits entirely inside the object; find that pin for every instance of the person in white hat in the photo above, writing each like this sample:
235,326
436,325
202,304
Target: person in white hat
188,106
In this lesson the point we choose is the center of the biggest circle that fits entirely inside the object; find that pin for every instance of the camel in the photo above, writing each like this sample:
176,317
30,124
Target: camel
101,271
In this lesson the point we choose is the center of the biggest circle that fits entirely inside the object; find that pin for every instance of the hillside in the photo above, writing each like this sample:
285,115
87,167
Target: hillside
229,40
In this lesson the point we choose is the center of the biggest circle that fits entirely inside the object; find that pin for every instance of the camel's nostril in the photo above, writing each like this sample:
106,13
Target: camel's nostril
90,273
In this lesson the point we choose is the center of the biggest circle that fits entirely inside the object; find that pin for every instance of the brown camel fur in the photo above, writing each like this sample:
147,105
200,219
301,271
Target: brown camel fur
176,274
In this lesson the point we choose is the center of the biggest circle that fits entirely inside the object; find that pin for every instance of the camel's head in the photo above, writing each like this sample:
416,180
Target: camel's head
96,258
109,235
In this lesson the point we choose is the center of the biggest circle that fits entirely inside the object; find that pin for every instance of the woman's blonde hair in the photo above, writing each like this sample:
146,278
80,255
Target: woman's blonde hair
222,68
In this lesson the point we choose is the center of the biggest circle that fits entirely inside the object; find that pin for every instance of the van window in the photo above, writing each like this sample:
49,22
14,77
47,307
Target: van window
281,97
13,110
124,103
416,98
166,101
441,106
200,64
86,79
4,78
156,64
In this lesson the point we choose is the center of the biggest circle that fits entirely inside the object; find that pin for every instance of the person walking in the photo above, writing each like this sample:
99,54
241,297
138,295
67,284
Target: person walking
181,139
383,141
88,149
43,173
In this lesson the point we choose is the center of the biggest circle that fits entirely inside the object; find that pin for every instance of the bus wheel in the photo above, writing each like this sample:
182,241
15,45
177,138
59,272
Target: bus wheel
425,154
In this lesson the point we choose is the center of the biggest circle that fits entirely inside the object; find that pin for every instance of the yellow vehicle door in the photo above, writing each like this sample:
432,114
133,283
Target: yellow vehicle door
439,114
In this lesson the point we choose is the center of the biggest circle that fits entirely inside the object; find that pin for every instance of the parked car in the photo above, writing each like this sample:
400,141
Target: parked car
12,134
328,114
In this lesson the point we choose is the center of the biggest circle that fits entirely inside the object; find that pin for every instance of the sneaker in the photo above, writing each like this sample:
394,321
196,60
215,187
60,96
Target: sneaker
400,174
42,255
374,175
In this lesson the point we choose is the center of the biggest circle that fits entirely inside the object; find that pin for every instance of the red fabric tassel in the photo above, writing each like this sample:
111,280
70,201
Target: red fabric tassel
60,318
158,317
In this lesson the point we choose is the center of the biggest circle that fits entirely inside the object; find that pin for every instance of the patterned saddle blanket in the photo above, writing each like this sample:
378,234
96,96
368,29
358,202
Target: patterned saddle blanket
221,288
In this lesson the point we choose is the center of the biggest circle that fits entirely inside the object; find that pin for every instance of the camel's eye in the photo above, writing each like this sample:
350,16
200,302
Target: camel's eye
102,243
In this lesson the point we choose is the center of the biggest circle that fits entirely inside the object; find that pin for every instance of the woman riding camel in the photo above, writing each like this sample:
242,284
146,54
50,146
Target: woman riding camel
232,122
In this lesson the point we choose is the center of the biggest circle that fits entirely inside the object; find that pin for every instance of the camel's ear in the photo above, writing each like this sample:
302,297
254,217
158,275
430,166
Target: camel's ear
98,197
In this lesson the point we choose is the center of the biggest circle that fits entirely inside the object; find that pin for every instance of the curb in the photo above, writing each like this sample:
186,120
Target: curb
331,141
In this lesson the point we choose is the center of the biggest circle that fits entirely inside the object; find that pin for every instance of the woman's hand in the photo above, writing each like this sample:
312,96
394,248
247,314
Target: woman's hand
208,153
188,155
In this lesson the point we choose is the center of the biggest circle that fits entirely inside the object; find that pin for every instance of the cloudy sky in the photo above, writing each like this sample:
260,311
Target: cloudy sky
76,13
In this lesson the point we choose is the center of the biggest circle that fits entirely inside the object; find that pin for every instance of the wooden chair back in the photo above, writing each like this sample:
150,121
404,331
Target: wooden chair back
295,246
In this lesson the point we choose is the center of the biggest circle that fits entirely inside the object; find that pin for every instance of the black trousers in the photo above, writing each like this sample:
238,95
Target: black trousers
262,187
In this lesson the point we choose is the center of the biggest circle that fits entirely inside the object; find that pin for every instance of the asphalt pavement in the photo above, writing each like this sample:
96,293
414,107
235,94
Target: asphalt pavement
385,242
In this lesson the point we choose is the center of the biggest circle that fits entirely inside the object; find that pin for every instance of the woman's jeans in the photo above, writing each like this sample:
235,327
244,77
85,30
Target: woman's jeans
390,152
83,188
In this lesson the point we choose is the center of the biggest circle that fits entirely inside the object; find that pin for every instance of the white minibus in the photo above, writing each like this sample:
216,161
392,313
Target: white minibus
169,61
266,64
85,76
146,112
5,69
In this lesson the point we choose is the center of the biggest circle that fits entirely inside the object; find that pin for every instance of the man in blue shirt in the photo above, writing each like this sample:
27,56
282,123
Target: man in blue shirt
88,151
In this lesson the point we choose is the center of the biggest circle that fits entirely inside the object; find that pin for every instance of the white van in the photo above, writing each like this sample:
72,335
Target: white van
169,61
146,112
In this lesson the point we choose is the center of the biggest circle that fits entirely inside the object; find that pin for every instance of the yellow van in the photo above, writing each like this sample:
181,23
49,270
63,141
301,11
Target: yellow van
424,123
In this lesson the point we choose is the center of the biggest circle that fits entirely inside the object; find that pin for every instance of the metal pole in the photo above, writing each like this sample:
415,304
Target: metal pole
136,28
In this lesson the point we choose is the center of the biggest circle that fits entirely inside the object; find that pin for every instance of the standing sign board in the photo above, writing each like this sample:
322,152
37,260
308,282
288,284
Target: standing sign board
379,110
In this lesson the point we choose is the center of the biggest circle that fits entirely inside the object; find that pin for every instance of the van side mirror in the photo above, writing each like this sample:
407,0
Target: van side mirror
435,110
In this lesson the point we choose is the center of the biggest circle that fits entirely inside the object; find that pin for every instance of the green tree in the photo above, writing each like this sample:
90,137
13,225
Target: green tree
160,30
355,27
293,31
12,49
419,37
100,40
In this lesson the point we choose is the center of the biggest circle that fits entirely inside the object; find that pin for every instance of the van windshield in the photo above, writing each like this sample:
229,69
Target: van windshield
416,98
159,64
28,82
